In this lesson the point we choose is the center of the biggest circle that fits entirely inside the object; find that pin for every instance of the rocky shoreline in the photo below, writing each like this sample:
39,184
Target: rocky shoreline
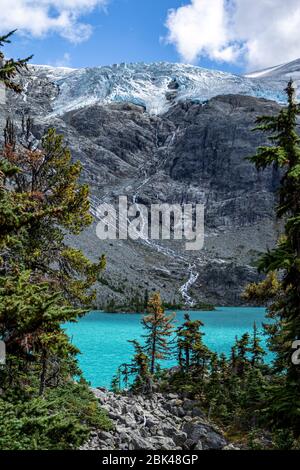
156,422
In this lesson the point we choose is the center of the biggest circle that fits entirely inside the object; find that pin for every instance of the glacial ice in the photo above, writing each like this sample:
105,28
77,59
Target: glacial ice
150,85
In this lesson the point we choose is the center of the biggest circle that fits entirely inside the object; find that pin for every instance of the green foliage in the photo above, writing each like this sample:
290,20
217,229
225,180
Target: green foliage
159,327
232,390
284,260
59,421
192,353
144,366
43,284
30,324
264,291
283,439
139,367
136,303
49,181
11,68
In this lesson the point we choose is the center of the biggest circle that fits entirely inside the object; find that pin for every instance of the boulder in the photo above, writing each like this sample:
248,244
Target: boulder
209,438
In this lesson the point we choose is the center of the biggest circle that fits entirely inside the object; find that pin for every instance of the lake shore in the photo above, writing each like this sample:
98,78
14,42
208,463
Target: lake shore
105,335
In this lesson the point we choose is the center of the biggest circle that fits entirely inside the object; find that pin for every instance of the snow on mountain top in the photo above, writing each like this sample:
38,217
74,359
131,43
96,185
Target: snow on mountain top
157,86
262,73
280,72
50,71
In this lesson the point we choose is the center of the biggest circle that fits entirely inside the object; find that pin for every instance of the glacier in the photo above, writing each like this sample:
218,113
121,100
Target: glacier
157,86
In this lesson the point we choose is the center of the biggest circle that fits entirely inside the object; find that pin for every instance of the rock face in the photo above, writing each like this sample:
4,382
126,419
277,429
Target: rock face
194,152
159,422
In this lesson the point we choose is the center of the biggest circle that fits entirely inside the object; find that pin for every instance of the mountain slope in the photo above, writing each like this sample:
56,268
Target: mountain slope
160,133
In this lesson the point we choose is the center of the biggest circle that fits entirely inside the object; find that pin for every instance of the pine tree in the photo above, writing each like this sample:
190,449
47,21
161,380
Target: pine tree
30,324
242,346
233,357
9,69
37,207
139,366
116,381
284,152
48,179
159,327
191,350
255,349
213,384
254,395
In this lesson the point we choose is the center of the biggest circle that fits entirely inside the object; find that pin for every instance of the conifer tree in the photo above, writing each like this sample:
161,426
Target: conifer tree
284,152
242,346
33,300
50,181
10,68
191,350
159,327
254,395
213,384
139,366
30,324
233,357
255,348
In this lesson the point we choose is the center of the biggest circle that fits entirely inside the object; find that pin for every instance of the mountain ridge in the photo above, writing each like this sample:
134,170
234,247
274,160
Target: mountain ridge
193,152
156,86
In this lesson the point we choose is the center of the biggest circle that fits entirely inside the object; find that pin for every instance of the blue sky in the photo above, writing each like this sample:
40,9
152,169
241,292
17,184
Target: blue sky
229,35
129,31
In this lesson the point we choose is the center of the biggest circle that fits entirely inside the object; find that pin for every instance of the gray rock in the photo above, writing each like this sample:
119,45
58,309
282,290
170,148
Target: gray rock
104,435
189,404
179,438
162,443
142,444
198,446
172,396
209,438
197,412
153,423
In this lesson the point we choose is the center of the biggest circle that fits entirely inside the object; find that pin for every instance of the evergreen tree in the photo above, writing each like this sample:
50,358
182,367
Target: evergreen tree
159,327
233,357
254,395
146,300
255,349
242,346
116,381
30,324
191,350
284,152
139,366
10,68
213,384
41,282
48,179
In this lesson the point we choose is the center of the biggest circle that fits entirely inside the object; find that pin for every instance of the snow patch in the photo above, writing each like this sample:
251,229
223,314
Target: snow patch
149,85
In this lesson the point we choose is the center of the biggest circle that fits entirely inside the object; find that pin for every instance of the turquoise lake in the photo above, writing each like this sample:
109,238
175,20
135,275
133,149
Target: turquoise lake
103,338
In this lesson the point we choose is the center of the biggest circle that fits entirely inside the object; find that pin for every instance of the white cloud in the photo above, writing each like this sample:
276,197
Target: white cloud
259,33
39,17
64,61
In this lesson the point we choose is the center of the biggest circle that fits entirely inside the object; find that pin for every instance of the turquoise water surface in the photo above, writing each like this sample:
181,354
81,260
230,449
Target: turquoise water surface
103,338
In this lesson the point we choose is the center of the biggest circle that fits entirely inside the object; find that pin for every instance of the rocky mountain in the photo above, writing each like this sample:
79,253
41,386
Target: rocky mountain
167,133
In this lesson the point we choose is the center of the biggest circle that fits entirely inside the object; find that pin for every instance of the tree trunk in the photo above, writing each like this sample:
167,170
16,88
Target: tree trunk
43,374
153,354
